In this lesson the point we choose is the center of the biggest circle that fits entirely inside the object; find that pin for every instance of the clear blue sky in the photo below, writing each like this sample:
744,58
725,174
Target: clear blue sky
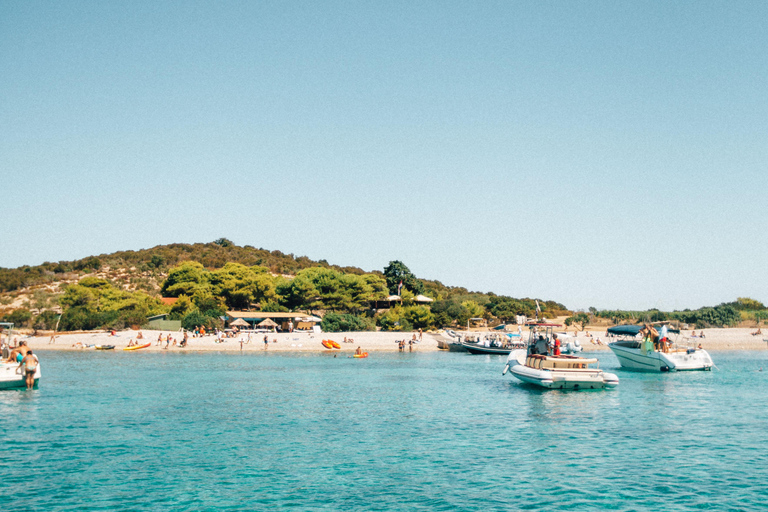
607,154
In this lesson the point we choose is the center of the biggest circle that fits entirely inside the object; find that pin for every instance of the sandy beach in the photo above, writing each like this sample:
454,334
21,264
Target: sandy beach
714,340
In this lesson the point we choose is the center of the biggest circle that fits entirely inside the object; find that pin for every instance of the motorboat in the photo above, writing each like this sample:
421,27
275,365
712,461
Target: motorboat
635,354
491,343
12,376
540,364
450,341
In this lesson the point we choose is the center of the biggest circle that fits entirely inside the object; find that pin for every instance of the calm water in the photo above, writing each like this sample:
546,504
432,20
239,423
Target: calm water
422,431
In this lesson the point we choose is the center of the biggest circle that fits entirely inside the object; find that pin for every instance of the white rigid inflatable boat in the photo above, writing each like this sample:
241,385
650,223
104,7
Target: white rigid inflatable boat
558,372
543,364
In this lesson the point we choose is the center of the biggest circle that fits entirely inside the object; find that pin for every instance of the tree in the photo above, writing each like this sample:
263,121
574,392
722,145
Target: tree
19,317
474,309
185,279
223,242
336,322
396,272
181,307
449,312
579,318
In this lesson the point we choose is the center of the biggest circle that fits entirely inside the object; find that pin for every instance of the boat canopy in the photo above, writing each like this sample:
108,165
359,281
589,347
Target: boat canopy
632,330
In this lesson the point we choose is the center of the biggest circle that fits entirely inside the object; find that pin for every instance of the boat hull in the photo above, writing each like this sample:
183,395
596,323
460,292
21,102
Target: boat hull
9,379
564,380
634,359
473,348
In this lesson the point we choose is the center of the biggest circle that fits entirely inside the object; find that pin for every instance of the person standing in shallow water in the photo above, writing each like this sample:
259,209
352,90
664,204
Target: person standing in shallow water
29,363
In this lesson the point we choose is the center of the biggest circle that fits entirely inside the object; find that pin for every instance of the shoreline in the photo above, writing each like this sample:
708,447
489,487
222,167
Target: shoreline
715,340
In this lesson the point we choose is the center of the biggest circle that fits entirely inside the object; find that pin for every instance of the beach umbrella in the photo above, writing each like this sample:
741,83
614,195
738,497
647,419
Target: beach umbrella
267,323
240,323
311,319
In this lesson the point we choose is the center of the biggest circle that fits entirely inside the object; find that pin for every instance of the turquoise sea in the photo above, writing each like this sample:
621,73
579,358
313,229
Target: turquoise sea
420,431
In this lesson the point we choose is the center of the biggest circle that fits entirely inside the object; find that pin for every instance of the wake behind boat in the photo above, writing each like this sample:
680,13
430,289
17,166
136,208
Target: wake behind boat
543,365
663,355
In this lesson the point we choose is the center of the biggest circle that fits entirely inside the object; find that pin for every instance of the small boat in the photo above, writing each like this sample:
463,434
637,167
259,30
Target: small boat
634,354
477,348
450,341
105,347
538,365
492,344
327,343
360,356
138,347
335,344
12,377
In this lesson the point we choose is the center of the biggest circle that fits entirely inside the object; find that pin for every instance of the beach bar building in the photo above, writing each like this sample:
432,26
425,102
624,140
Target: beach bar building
254,318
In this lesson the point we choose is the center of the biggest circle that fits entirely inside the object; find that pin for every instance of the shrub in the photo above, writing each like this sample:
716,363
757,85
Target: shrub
197,319
336,322
19,317
46,320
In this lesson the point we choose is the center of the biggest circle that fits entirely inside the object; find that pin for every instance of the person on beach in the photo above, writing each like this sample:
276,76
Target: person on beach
401,345
411,342
420,333
130,342
29,363
159,340
266,342
241,343
140,336
52,340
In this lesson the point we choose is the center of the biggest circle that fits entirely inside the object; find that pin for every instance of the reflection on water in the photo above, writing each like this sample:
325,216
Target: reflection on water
415,431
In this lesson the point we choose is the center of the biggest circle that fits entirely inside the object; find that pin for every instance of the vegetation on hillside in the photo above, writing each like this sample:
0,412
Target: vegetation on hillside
123,288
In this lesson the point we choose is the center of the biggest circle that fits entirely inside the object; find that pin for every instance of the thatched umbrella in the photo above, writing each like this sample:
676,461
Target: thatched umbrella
239,323
267,323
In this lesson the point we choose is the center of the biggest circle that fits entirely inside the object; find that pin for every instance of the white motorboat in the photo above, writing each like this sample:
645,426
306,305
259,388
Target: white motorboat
12,377
634,354
538,365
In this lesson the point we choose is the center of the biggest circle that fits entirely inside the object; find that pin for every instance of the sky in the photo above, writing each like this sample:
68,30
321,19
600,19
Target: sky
600,154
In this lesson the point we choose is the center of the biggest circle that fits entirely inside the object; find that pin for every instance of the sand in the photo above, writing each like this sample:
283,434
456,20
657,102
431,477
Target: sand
286,342
714,340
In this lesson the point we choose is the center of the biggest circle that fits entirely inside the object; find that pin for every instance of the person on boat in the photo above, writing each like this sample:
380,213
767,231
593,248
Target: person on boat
556,347
663,340
359,351
29,363
650,335
6,351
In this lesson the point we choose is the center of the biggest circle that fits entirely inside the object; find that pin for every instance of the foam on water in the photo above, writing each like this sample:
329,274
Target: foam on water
421,431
